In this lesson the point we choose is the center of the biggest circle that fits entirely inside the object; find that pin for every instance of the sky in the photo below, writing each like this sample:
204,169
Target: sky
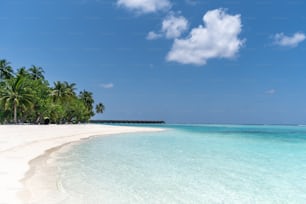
184,61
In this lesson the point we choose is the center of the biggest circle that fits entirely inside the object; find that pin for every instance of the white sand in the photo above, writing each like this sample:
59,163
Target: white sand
19,144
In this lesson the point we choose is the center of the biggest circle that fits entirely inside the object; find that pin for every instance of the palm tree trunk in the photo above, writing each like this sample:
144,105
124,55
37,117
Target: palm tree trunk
15,113
38,119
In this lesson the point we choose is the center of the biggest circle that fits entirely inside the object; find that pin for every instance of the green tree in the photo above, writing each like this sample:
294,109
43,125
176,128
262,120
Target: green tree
6,71
64,94
36,72
58,90
100,108
63,90
23,72
70,89
41,100
76,111
16,93
56,112
27,96
87,98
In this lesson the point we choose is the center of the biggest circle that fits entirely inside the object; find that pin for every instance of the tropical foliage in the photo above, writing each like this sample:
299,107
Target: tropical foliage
26,96
100,108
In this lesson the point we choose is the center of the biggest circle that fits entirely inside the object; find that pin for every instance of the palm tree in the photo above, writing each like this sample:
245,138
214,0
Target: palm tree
58,90
6,71
87,98
70,89
100,108
36,72
22,72
63,90
16,93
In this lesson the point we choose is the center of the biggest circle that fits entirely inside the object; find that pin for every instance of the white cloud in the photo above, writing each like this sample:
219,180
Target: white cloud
271,92
145,6
173,26
107,86
289,41
152,35
218,39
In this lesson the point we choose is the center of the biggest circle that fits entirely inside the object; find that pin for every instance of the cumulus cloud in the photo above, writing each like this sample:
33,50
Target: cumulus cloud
107,86
152,35
289,41
145,6
218,38
173,26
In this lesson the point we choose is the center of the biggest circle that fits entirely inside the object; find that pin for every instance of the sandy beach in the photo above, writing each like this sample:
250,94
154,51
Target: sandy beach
20,144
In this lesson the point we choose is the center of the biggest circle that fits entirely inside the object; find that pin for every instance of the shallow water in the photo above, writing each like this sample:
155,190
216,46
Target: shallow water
187,164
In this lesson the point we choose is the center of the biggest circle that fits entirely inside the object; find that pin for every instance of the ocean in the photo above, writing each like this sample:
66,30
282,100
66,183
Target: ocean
186,164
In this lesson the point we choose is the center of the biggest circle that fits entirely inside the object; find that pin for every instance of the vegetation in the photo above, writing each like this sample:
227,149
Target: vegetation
26,96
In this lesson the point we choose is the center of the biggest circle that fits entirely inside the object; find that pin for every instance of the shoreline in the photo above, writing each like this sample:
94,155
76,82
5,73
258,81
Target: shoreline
21,146
37,167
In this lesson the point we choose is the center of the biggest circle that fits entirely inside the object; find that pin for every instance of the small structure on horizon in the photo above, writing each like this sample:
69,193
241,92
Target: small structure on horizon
129,121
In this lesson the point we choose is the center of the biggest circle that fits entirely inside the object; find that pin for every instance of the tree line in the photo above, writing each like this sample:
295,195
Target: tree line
27,97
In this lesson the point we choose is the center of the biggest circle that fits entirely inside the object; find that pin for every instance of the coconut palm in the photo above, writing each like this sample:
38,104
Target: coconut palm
70,89
58,90
16,93
22,72
87,98
63,90
26,94
100,108
36,72
6,71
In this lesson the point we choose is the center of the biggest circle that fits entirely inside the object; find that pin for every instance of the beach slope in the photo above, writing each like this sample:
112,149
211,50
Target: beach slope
19,144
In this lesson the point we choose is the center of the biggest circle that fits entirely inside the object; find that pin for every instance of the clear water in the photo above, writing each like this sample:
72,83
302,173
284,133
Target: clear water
189,164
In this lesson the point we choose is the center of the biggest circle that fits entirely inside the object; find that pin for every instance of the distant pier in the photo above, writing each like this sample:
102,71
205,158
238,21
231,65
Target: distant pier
129,121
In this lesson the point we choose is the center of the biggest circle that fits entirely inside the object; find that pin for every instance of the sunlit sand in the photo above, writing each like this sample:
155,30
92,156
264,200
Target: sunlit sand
19,144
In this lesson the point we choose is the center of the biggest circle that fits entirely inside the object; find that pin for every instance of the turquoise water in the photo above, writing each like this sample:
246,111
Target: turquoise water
189,164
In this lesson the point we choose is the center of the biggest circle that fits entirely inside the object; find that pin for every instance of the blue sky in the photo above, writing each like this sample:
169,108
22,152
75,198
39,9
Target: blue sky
186,61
